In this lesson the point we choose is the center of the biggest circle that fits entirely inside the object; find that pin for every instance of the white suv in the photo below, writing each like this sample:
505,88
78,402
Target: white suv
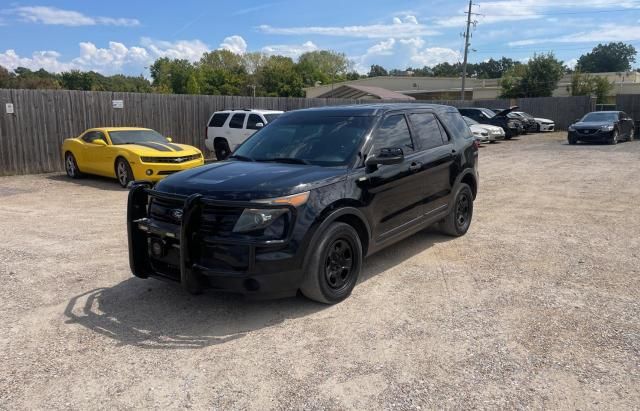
229,128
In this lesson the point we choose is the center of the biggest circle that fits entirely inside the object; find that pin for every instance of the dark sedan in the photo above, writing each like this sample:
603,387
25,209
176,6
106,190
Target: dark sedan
602,126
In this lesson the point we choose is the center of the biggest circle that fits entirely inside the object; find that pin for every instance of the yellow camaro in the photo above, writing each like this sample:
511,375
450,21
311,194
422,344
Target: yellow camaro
128,154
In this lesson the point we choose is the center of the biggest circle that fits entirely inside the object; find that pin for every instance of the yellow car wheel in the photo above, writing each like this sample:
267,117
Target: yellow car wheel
71,166
124,172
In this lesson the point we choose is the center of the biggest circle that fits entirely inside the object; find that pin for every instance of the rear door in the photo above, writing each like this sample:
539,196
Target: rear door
215,128
252,120
395,191
436,156
235,134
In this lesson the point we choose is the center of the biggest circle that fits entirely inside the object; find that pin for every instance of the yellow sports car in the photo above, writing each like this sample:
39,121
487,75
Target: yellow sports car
128,154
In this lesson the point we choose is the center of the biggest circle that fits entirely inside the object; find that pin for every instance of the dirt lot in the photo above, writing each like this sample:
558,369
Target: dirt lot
538,306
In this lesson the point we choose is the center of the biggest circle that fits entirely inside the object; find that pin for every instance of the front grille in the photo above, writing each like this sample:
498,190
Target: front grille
164,210
171,160
219,221
588,131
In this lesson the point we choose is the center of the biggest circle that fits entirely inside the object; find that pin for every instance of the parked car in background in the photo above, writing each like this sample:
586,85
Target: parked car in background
484,132
541,124
228,129
510,126
301,203
529,123
602,126
127,153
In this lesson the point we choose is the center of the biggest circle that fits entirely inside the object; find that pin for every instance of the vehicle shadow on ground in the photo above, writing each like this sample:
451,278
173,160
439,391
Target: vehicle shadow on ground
157,315
101,183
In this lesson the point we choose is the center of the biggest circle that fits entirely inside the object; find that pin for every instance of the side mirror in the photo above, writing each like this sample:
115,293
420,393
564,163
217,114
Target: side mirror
386,156
99,142
259,125
169,139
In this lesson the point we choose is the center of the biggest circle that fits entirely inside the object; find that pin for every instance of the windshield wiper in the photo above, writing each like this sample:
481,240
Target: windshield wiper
289,160
241,157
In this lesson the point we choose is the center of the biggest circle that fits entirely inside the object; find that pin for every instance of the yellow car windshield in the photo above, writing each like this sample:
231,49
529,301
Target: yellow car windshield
136,136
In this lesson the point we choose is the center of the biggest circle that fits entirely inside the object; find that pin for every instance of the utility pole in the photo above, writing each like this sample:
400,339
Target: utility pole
467,43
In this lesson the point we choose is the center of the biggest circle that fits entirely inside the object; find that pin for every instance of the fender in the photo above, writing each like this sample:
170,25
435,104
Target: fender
331,218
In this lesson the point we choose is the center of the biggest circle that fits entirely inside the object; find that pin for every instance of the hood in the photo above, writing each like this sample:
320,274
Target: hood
246,181
593,124
490,128
161,149
504,113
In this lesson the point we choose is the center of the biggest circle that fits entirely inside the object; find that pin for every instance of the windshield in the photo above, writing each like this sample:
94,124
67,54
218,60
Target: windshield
523,114
136,136
307,139
271,117
469,121
602,116
488,113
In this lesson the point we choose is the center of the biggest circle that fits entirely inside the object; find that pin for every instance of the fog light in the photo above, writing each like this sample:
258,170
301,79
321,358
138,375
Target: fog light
157,249
149,172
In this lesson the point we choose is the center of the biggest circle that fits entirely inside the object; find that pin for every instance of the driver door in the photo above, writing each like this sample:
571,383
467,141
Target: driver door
394,191
96,156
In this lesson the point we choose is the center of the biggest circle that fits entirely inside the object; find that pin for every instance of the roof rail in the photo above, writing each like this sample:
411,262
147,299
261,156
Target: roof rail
237,109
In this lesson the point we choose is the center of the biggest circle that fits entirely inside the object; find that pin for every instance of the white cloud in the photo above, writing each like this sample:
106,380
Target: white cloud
400,28
402,53
190,50
108,60
234,44
571,63
603,33
55,16
290,50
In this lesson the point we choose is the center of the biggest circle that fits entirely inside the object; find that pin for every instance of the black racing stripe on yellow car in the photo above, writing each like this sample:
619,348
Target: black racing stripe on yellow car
175,147
157,146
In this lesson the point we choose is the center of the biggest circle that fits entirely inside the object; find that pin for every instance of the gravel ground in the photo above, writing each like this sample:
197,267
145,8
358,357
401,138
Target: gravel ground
536,307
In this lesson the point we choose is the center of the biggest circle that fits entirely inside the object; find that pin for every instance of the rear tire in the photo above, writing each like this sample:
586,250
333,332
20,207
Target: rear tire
632,134
71,166
221,149
334,266
458,221
124,174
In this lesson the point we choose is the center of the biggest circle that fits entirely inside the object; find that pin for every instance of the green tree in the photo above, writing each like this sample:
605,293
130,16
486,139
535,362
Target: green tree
538,78
6,78
493,68
377,71
193,87
447,70
222,72
77,80
324,66
588,85
171,74
607,58
278,77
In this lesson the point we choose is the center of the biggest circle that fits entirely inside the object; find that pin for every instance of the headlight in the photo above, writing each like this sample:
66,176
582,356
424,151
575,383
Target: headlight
608,127
254,219
572,128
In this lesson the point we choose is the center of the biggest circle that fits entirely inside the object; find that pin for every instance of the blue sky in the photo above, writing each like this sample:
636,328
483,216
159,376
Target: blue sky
126,36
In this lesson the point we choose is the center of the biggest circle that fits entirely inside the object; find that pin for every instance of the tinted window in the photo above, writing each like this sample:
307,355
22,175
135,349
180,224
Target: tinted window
426,126
218,119
315,139
237,121
394,133
94,135
137,136
271,117
601,116
253,120
456,125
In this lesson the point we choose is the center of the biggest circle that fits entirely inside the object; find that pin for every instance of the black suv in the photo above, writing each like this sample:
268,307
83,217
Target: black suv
301,202
511,127
602,126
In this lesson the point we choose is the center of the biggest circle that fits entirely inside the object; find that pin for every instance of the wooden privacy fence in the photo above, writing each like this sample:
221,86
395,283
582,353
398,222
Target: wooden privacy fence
630,104
31,137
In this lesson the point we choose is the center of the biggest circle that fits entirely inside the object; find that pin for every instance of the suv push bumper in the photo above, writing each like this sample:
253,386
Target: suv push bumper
181,253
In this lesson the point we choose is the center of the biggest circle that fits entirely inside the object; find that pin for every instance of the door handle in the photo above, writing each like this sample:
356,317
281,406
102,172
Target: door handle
415,166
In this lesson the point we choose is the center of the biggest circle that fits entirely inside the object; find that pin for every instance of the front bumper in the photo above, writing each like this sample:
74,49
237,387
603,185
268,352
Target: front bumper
187,253
547,127
591,135
161,170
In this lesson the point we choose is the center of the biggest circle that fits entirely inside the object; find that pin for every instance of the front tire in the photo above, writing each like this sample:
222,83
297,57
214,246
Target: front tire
572,141
537,128
71,166
614,138
124,174
335,265
458,221
632,134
